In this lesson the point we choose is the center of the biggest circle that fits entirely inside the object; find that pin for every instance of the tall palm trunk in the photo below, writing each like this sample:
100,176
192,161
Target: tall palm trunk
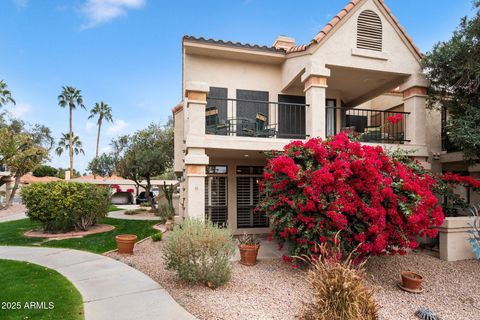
98,142
70,151
98,136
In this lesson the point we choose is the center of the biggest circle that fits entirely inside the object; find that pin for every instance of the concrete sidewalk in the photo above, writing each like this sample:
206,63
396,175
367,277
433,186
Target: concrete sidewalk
13,217
110,289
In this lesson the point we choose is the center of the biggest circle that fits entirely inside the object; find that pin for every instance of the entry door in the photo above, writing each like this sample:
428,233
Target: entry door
247,198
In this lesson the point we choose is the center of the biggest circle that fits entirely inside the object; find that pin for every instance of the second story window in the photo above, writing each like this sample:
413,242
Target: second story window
369,31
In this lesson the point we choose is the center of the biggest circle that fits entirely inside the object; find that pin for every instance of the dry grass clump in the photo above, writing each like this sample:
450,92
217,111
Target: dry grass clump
339,287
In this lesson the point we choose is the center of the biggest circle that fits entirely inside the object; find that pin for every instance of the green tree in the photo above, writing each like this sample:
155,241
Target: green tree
23,149
146,154
45,171
453,67
103,166
66,143
104,112
61,173
71,98
5,94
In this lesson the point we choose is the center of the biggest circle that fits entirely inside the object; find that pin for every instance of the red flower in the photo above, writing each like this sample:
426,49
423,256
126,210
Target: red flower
395,118
316,189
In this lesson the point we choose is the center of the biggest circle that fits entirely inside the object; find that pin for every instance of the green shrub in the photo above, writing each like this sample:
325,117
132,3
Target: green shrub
165,211
144,204
64,206
158,236
200,252
134,212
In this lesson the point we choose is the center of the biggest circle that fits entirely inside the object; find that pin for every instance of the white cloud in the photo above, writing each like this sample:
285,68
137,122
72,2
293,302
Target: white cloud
106,149
117,127
102,11
21,3
89,127
20,110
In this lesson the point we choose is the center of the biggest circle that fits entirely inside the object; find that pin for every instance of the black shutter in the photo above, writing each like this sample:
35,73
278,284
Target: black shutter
216,205
291,118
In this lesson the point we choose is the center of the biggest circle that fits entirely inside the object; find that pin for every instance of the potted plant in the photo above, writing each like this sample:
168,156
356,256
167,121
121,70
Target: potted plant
248,244
411,282
125,243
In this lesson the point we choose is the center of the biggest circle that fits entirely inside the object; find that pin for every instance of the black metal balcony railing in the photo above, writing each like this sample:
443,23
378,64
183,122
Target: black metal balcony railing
254,118
372,125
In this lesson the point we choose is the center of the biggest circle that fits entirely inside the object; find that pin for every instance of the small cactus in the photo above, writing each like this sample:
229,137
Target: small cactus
426,314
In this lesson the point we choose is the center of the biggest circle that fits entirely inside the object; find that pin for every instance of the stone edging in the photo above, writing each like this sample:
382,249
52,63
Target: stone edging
99,228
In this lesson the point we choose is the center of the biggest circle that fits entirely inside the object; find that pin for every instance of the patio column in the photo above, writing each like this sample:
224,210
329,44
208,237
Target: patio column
196,102
315,84
195,158
415,101
195,172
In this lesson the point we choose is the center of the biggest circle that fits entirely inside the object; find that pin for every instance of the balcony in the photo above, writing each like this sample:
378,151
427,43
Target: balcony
255,118
372,125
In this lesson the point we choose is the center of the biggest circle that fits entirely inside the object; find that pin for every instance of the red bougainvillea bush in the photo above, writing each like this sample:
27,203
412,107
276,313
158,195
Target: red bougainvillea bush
313,190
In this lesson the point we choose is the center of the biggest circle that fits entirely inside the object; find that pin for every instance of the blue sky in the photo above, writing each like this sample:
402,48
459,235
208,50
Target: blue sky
127,53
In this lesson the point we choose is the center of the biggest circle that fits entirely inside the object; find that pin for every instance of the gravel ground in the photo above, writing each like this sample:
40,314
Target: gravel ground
450,288
14,209
272,290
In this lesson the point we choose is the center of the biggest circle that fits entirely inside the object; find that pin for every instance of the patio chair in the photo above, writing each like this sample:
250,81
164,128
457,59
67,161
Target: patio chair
212,122
262,129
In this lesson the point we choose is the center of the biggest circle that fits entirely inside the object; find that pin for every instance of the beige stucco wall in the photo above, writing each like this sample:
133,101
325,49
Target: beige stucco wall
336,48
178,144
234,74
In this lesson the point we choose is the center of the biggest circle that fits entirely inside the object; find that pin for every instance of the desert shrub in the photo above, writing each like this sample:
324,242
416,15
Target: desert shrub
200,252
165,211
339,288
314,189
145,205
157,236
134,212
64,206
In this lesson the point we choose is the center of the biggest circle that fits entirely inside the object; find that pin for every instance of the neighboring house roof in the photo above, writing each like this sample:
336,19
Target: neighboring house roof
318,37
91,177
28,179
114,179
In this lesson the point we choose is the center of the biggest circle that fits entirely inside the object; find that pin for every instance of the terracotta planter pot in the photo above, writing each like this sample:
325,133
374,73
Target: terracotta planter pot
125,243
411,281
248,254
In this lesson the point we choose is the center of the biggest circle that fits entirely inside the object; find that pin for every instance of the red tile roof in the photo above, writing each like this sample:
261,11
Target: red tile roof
318,37
337,18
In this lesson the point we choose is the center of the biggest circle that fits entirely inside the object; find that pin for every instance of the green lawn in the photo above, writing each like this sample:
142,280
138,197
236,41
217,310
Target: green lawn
30,291
114,208
11,233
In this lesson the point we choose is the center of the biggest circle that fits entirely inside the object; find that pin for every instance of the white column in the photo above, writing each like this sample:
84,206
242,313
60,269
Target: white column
195,158
415,101
195,172
315,82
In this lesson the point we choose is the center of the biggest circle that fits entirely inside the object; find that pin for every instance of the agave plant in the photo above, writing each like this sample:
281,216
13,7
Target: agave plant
475,231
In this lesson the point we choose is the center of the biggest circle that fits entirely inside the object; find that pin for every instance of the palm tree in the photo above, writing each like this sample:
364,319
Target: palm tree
72,98
5,94
65,142
104,112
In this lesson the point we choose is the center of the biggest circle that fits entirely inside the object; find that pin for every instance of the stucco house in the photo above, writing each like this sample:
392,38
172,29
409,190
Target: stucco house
243,100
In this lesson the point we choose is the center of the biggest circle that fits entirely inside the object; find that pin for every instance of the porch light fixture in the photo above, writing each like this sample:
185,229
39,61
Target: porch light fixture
246,155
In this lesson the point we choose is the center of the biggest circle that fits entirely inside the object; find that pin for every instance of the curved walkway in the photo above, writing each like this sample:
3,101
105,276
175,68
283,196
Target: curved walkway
110,289
120,214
